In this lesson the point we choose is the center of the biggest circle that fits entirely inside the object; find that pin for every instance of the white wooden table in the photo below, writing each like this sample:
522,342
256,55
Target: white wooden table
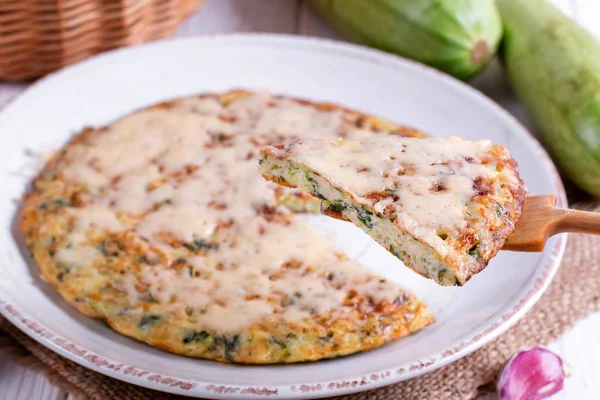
580,347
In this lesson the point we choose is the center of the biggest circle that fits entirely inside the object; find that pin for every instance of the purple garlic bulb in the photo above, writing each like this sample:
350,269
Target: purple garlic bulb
531,374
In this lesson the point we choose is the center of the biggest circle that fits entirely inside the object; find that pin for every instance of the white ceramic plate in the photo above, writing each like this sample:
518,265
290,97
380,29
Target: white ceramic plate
107,87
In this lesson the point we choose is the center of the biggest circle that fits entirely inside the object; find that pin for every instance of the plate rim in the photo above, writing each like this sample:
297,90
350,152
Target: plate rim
149,379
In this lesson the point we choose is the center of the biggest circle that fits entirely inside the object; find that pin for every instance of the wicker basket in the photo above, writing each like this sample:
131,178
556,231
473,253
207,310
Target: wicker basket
41,36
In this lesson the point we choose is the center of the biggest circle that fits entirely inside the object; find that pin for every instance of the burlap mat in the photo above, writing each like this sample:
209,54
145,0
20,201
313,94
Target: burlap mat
574,294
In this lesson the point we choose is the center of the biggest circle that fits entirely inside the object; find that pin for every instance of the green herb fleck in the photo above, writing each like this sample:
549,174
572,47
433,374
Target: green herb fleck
196,337
474,252
63,202
65,269
500,211
279,343
337,206
441,275
324,339
148,321
199,245
228,343
51,204
189,246
314,185
109,248
291,335
144,260
365,217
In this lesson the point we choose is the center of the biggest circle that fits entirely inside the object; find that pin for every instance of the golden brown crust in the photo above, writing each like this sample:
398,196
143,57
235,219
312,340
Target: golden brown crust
503,201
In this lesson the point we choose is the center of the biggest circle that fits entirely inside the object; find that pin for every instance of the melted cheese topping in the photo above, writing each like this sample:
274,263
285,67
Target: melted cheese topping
187,176
427,183
78,255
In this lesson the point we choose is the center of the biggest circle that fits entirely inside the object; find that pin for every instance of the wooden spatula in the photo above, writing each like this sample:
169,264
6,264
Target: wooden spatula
541,219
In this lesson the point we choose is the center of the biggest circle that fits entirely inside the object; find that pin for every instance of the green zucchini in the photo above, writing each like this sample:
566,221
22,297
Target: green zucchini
554,67
455,36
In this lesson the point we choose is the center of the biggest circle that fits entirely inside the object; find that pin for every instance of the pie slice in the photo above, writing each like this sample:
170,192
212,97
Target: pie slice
444,207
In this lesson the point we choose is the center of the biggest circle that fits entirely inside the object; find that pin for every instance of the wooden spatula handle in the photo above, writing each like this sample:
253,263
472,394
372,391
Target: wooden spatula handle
577,221
541,219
